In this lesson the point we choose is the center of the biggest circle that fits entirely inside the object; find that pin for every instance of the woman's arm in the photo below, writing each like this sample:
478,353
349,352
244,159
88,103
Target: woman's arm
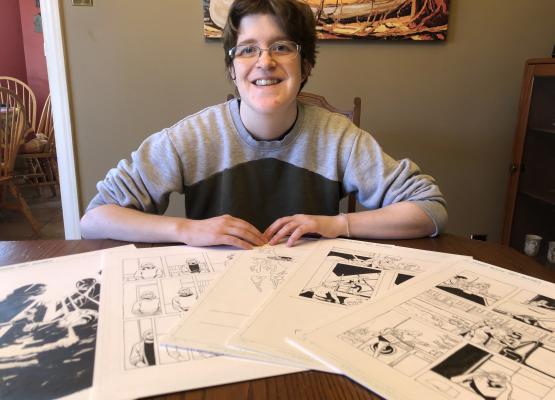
401,220
111,221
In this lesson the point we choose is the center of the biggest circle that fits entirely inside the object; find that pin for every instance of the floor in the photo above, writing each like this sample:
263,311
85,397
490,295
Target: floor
46,209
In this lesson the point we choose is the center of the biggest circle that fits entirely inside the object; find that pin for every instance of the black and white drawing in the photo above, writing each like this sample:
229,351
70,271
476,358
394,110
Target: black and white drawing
152,303
530,308
147,301
143,350
473,371
48,330
180,265
471,331
400,341
181,293
343,278
184,299
476,288
143,268
268,269
498,334
349,278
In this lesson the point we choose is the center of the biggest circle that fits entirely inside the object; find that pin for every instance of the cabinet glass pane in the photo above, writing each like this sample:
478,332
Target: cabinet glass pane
535,200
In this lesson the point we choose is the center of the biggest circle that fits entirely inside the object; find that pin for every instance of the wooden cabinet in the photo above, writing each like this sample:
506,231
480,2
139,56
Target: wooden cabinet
530,204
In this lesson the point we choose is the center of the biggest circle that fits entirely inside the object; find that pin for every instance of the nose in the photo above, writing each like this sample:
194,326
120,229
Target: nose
265,60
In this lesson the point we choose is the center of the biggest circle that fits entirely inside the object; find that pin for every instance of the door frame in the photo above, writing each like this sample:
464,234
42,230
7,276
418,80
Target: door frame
61,115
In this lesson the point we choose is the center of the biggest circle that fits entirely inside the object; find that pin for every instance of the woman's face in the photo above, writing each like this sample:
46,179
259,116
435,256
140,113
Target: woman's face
266,85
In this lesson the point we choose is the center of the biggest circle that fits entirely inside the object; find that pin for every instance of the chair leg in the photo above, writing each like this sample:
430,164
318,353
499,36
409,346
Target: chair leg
24,208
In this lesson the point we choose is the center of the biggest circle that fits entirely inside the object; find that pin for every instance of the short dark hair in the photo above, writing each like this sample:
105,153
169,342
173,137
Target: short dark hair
295,18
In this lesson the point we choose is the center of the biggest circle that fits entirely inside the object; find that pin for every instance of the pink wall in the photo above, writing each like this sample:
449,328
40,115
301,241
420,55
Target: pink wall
12,57
33,44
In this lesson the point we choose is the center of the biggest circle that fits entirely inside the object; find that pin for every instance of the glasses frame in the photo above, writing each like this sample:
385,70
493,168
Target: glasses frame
231,52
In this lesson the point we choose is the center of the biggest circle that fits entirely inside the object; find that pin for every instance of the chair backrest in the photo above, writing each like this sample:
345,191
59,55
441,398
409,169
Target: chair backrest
353,114
46,126
316,100
25,94
12,128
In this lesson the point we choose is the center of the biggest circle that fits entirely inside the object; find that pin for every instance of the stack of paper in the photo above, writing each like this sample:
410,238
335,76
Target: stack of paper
338,277
405,323
473,331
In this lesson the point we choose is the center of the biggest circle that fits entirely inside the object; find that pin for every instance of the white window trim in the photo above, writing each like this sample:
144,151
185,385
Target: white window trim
57,79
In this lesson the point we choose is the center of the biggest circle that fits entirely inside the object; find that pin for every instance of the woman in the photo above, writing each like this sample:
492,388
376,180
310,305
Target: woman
264,167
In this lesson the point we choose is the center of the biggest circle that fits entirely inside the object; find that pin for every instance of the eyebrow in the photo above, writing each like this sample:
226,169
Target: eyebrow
253,41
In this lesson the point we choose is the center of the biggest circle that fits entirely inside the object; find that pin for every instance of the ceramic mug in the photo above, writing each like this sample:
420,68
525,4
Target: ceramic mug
532,244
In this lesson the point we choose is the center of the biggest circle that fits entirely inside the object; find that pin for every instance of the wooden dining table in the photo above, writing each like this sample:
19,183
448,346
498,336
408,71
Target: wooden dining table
308,384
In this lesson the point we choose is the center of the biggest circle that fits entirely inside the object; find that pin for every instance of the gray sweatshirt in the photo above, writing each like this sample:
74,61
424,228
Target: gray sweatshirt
211,158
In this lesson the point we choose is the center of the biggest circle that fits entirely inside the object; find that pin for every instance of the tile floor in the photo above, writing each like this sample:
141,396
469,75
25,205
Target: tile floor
48,212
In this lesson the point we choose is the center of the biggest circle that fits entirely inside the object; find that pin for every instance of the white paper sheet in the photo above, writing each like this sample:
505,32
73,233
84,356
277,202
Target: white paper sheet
144,294
48,321
236,295
338,277
473,331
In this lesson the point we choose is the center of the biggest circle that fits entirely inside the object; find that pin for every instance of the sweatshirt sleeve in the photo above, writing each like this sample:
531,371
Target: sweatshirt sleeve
378,180
146,182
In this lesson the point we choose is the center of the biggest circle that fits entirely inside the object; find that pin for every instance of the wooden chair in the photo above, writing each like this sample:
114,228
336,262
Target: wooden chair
41,169
353,114
12,129
25,94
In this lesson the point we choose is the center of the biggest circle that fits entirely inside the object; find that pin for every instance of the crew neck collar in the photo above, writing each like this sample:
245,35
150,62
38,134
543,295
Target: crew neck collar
245,135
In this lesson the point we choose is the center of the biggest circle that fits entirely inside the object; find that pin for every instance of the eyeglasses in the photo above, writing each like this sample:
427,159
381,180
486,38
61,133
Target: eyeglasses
282,50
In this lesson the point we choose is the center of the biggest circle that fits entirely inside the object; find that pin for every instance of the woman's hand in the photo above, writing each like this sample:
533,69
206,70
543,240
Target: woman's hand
224,229
301,224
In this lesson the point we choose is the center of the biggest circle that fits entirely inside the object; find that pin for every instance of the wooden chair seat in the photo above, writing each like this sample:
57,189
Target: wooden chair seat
41,169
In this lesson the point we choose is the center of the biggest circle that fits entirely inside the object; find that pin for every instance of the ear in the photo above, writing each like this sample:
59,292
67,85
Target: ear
231,71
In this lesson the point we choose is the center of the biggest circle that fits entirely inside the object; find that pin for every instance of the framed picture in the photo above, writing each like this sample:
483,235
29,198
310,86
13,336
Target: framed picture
419,20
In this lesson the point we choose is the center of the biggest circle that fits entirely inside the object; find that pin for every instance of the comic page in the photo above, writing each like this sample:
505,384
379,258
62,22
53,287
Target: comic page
236,295
475,331
48,322
339,276
145,294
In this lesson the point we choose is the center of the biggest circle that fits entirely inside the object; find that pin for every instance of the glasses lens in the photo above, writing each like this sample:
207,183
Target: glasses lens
246,51
283,49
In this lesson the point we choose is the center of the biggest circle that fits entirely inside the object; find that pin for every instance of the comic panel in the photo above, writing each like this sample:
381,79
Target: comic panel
530,308
343,278
141,347
346,277
476,288
491,331
141,300
173,354
179,264
43,329
180,294
144,268
471,372
400,341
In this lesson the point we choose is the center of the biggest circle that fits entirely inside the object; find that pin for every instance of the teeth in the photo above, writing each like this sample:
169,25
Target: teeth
266,82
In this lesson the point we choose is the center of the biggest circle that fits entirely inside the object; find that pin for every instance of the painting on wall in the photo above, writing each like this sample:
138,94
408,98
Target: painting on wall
419,20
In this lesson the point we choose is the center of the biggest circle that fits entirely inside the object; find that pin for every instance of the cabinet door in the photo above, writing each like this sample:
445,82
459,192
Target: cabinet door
531,197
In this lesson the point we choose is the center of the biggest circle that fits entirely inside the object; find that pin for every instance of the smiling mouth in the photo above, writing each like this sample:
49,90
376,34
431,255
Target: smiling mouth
266,82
